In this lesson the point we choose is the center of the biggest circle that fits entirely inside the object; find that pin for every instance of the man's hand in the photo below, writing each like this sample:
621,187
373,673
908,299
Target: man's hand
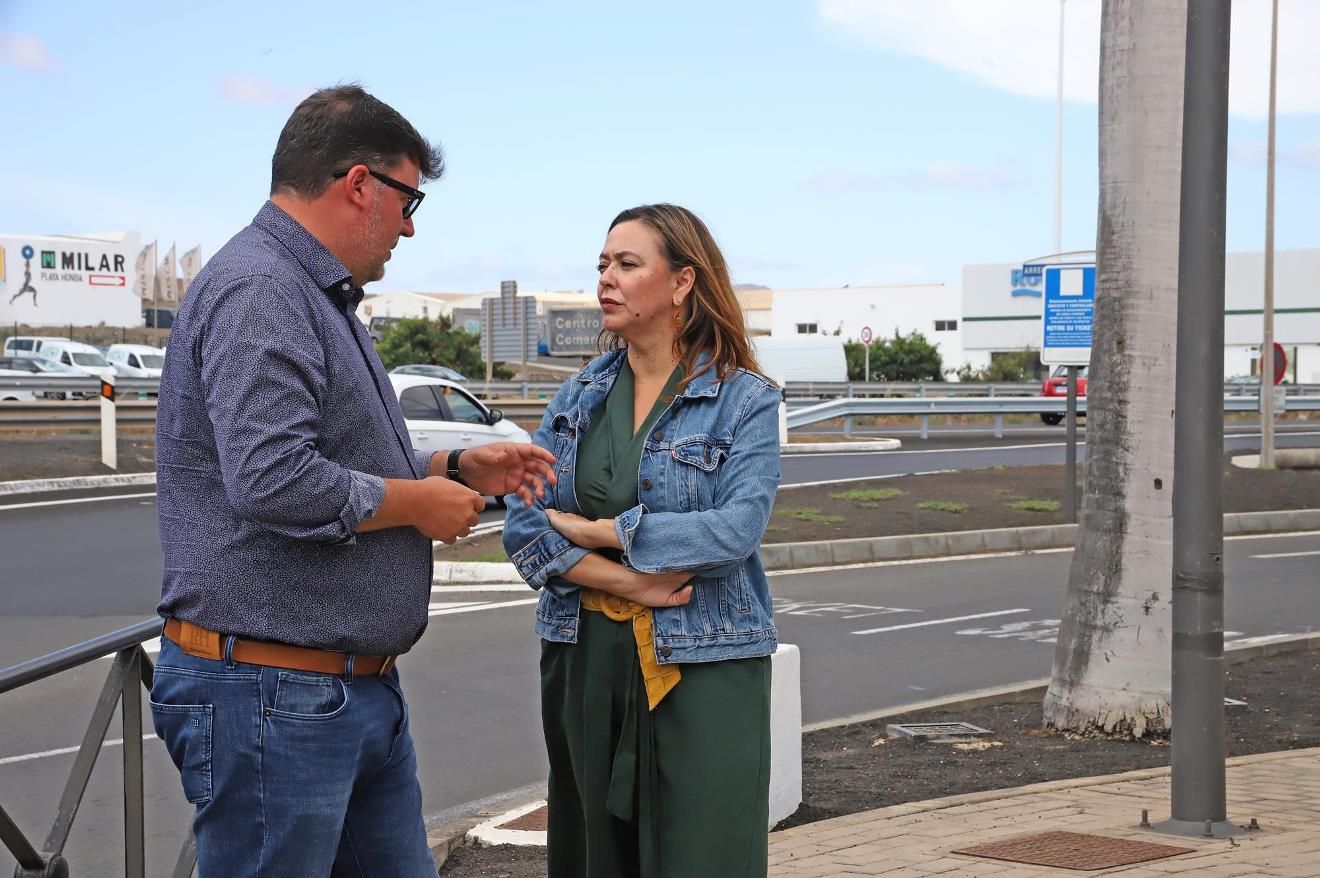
598,534
444,510
508,468
657,589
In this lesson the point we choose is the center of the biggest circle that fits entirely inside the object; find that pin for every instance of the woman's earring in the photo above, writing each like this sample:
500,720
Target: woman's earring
678,320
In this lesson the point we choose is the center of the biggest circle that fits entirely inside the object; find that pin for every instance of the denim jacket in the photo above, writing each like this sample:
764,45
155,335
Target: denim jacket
707,482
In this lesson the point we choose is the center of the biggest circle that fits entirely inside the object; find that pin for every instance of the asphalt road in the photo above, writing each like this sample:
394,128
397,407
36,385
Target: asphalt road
73,570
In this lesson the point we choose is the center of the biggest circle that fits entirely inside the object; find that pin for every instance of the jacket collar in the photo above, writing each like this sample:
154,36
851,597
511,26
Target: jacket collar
603,369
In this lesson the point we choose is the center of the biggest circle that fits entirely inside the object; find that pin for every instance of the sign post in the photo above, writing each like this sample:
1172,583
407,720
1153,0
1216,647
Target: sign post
1067,314
109,445
866,355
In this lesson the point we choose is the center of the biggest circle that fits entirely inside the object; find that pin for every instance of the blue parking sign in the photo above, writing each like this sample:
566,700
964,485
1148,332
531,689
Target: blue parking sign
1068,312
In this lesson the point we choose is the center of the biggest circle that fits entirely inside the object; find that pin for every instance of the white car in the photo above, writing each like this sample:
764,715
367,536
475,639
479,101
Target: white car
136,360
83,358
441,415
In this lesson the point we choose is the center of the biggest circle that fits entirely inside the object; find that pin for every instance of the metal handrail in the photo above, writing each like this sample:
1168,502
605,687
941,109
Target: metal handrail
131,670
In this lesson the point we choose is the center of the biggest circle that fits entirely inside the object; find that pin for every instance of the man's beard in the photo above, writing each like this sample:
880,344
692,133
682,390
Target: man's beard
374,269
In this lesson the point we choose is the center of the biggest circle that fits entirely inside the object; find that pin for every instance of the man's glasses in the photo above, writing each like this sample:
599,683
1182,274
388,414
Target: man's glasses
415,196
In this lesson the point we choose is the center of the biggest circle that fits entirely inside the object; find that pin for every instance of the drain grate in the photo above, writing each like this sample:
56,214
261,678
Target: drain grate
532,821
937,732
1073,850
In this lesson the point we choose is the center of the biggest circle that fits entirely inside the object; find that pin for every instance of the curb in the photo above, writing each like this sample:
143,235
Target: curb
827,447
76,483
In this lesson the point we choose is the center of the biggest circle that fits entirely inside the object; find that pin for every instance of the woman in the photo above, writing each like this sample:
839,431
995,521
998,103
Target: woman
655,611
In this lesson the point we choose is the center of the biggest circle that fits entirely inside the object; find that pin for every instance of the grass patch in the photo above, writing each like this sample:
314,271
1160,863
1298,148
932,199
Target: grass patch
776,528
942,506
1035,505
865,496
808,513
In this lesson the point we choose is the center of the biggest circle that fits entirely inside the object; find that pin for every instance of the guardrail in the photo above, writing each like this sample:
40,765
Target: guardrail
130,672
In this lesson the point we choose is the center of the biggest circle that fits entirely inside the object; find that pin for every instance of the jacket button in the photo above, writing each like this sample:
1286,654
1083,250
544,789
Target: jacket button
657,436
666,651
646,484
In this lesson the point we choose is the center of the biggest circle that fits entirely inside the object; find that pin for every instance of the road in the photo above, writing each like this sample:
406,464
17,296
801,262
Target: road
870,636
73,570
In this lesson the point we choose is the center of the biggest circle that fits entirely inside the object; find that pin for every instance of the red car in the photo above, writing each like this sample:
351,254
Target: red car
1057,385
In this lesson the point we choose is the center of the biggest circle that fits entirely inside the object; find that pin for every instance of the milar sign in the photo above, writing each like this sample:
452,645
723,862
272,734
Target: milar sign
572,332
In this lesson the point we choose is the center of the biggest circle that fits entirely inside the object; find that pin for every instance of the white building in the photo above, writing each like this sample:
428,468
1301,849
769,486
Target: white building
1001,311
408,304
930,309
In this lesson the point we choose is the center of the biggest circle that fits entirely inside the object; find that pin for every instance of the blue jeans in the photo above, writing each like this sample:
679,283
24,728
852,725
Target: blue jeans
292,773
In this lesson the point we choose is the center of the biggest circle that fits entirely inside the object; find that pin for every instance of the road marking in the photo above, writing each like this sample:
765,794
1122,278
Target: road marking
785,606
478,607
78,500
1310,554
932,472
62,751
866,565
942,621
464,589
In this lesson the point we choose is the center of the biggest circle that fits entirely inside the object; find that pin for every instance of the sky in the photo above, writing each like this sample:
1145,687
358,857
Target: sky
825,142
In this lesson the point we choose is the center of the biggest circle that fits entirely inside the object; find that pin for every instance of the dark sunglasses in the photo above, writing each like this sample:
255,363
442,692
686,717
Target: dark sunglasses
415,196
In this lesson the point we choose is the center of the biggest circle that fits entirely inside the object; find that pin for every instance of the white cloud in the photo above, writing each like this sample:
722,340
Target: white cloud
1013,45
1304,155
262,92
27,52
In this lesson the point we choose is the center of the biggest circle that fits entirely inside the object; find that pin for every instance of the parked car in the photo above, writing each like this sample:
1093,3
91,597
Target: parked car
1057,385
30,367
440,416
378,325
159,318
83,358
429,371
136,360
28,345
13,367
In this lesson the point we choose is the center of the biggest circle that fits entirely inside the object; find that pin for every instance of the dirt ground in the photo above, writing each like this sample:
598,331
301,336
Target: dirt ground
33,454
858,767
984,498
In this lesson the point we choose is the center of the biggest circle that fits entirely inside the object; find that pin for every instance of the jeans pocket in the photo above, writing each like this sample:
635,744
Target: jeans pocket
186,731
309,697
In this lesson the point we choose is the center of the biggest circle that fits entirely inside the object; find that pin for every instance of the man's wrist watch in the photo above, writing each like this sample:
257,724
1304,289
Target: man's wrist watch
451,468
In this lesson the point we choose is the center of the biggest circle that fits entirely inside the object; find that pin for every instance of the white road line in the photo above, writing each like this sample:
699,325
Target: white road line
942,621
864,565
504,587
78,500
63,751
479,607
1289,554
930,472
447,605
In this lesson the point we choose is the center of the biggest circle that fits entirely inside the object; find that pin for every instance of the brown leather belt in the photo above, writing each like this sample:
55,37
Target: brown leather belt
203,643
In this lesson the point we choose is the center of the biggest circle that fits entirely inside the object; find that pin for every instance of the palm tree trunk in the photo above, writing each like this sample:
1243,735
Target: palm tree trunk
1111,663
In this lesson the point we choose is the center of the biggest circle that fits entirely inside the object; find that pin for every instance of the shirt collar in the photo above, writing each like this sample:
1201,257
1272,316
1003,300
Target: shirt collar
324,268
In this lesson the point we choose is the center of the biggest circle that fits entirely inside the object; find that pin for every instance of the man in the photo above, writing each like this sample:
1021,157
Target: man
296,520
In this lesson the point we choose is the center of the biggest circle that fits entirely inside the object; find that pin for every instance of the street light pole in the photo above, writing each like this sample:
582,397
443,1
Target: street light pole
1267,343
1198,794
1058,146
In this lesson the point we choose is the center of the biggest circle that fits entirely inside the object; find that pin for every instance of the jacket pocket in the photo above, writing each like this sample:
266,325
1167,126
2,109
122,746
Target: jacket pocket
696,472
185,730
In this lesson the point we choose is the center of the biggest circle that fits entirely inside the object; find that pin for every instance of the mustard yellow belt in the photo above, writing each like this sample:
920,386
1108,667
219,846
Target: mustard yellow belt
659,679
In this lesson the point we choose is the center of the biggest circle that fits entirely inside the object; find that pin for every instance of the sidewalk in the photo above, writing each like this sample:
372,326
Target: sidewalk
1281,790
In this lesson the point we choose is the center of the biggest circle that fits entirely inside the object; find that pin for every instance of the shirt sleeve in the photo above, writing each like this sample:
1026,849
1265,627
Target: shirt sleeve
263,378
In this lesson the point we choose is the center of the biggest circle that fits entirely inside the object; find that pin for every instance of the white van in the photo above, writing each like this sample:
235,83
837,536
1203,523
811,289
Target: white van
78,356
801,357
135,360
28,345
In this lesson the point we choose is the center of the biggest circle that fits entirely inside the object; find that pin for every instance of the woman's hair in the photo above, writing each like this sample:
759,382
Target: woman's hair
712,319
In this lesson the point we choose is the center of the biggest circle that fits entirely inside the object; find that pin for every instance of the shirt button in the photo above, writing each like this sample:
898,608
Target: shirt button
646,484
666,651
347,286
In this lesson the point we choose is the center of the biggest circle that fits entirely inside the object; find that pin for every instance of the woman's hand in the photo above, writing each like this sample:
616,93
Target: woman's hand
598,534
657,589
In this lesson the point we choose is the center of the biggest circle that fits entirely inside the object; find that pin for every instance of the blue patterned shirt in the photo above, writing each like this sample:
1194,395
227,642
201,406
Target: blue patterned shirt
276,428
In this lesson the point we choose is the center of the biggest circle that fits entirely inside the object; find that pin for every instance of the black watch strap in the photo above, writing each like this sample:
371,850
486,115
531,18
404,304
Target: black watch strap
451,467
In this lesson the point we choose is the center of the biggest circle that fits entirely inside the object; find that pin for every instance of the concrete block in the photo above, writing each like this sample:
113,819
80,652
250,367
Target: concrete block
928,545
1004,539
890,548
812,555
858,551
785,732
777,556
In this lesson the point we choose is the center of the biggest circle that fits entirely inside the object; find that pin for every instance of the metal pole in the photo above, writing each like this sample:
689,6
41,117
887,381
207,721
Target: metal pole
1070,458
1198,787
1267,342
1058,146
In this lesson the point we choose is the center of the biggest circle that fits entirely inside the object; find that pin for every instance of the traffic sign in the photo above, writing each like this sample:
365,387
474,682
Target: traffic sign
1067,315
1280,363
866,335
